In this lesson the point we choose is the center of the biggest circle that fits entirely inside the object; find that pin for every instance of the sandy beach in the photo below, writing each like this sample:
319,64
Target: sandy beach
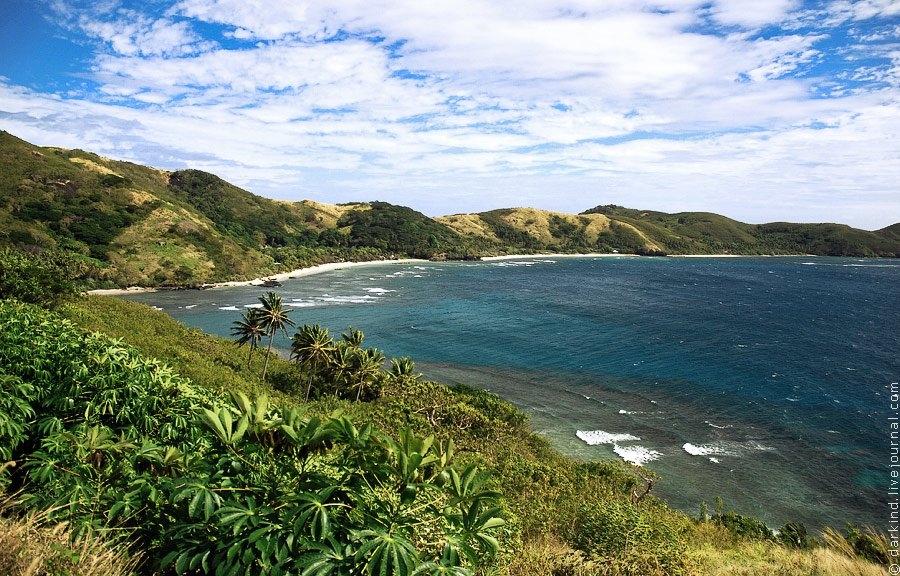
260,281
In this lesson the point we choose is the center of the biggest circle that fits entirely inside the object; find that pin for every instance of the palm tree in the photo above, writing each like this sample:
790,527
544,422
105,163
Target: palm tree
248,330
272,317
311,347
353,337
340,364
404,370
367,364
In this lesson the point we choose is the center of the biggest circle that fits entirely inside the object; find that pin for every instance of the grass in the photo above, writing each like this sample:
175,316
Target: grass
203,358
546,492
32,545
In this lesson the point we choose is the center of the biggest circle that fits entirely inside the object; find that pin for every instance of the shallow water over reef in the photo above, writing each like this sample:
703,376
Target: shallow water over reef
761,380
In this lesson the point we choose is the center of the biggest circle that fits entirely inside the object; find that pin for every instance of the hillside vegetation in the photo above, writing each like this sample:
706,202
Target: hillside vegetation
146,447
134,225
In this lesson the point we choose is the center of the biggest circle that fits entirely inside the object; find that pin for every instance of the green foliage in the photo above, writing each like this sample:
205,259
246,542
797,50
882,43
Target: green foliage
704,233
638,540
217,485
742,526
398,230
869,545
794,535
42,278
510,235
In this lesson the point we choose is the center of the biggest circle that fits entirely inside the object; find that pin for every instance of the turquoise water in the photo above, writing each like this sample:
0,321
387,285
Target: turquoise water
760,380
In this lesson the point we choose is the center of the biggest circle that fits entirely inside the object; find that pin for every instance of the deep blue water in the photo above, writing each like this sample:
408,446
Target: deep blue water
760,380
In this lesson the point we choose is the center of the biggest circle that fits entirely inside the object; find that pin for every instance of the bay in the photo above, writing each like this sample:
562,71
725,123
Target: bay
764,381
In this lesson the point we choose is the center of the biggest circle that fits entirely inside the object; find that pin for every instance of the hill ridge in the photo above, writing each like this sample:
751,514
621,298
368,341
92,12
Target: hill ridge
140,225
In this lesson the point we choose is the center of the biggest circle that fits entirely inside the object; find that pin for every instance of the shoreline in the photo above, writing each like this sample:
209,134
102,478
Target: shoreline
330,266
280,277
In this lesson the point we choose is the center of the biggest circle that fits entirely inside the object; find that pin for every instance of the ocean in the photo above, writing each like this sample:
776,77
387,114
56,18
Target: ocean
763,381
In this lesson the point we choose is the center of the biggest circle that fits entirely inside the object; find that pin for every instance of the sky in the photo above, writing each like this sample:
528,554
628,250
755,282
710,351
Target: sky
761,110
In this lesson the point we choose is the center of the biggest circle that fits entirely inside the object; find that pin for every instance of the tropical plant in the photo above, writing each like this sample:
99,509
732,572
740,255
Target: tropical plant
353,337
249,330
366,367
311,347
272,318
403,370
39,278
224,485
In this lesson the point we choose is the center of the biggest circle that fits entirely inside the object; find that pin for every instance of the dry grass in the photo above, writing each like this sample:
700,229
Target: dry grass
551,557
765,559
33,545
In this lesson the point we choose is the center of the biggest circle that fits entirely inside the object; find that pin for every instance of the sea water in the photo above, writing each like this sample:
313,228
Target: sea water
764,381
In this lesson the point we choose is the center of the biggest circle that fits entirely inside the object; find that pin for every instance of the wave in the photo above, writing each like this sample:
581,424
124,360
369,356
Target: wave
595,437
636,454
725,448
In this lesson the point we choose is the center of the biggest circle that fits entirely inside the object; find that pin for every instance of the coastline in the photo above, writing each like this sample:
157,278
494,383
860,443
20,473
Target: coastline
560,255
280,277
320,268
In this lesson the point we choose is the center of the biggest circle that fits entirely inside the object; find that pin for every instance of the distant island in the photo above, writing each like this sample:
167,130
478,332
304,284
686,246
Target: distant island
135,225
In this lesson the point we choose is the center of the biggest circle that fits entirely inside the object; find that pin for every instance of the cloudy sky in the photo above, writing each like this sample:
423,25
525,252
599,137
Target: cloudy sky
762,110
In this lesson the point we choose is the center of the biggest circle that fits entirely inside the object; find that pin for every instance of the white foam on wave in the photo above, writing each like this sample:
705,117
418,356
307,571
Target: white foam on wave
725,448
636,454
595,437
229,308
378,290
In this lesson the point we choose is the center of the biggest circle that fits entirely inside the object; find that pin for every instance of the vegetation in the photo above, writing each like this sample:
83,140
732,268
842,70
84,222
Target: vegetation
106,439
135,444
207,478
704,233
132,225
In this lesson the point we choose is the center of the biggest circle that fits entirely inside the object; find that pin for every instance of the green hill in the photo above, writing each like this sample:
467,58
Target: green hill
705,233
136,225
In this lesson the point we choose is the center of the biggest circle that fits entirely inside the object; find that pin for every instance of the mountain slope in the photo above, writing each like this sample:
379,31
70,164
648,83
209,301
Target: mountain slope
144,226
139,225
705,233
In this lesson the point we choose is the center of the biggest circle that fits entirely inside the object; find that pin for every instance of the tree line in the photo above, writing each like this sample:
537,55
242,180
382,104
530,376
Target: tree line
341,367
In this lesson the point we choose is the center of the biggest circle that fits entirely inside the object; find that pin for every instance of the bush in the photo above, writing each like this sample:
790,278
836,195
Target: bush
43,278
633,540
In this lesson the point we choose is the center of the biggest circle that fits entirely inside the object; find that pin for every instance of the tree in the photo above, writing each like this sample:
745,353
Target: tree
311,347
45,278
366,366
353,337
272,318
340,364
403,370
248,330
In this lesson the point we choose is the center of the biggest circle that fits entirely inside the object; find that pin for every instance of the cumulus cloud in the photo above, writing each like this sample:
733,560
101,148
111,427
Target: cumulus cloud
745,108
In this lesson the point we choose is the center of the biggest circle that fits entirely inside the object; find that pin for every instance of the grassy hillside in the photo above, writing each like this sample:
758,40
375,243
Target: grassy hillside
135,225
705,233
138,225
121,440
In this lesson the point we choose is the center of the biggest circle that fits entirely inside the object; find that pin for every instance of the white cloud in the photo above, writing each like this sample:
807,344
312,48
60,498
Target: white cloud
476,105
753,14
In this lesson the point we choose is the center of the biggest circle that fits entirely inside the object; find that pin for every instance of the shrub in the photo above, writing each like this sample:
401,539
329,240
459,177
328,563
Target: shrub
632,540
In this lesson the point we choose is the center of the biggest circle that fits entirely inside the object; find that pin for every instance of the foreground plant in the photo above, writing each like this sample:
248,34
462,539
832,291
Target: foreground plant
225,485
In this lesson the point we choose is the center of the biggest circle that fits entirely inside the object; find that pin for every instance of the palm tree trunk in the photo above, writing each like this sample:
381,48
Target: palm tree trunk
268,350
309,383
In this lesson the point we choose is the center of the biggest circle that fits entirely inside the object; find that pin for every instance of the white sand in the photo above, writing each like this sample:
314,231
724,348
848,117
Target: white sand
260,281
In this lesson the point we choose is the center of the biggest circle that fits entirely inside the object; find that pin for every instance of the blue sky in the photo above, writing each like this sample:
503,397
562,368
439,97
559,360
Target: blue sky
763,110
